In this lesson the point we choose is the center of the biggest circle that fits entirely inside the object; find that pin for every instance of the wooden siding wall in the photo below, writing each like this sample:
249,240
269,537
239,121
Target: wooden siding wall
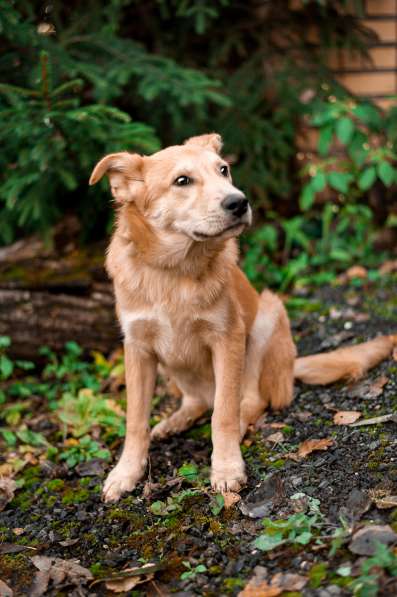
375,78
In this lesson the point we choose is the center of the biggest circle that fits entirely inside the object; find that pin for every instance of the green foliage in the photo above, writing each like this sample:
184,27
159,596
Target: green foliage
191,571
296,529
367,584
84,449
368,139
314,247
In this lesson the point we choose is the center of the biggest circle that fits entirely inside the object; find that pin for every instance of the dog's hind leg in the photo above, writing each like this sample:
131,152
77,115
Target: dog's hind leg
190,410
268,378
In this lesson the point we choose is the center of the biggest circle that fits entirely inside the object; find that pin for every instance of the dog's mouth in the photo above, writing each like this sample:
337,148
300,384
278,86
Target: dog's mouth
203,236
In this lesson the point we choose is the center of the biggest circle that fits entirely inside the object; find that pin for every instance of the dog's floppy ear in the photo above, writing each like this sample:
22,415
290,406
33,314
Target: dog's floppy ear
211,141
125,174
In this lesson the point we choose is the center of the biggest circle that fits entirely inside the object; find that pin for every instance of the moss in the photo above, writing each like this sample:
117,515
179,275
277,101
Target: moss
75,496
288,430
17,570
231,584
277,463
51,501
135,519
317,574
55,485
393,515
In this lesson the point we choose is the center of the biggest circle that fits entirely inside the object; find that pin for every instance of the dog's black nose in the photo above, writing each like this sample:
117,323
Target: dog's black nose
236,204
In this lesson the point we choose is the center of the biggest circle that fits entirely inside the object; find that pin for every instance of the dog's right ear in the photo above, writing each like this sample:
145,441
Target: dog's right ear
125,174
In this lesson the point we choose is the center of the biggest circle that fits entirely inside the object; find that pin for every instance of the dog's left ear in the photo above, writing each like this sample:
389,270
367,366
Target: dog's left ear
124,170
211,141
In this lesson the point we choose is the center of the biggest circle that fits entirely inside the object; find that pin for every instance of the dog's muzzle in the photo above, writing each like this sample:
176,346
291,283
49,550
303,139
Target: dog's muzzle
235,204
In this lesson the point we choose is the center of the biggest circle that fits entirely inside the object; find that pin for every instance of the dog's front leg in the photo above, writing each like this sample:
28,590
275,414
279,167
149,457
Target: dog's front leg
227,473
140,374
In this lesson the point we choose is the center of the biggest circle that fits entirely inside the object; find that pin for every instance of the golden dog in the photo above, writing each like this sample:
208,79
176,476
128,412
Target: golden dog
183,303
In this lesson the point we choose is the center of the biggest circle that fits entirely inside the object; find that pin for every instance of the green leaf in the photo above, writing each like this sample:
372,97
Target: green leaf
307,197
339,181
304,538
386,173
324,140
318,182
9,437
217,504
344,130
269,542
6,366
188,471
5,341
367,178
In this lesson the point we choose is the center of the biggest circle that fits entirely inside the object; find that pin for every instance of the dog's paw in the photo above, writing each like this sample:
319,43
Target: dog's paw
120,480
161,430
230,477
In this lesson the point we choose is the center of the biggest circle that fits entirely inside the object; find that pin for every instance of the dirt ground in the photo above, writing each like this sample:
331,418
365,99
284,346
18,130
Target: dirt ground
193,542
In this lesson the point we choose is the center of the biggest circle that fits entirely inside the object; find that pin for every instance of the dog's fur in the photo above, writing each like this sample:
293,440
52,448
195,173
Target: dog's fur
184,304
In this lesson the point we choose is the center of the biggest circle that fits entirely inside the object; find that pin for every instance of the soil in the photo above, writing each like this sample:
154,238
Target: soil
187,526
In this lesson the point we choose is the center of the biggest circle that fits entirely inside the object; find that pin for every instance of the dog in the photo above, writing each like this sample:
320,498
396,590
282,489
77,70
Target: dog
184,304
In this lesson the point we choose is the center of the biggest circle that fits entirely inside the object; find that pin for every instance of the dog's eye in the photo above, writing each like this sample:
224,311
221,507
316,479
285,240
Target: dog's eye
182,181
224,170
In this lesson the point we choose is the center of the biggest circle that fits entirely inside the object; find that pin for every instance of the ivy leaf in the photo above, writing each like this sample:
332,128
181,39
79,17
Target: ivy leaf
386,173
339,181
344,130
367,178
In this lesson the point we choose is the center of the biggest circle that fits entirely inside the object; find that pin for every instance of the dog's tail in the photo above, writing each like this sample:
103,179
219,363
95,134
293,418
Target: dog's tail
344,363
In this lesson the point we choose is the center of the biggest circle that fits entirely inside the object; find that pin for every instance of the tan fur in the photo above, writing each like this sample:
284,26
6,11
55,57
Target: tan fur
351,362
184,305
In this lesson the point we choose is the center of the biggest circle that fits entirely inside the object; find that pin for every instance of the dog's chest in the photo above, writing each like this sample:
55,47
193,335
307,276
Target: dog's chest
178,339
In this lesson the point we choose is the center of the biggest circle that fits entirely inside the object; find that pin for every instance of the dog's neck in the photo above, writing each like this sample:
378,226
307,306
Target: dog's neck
171,251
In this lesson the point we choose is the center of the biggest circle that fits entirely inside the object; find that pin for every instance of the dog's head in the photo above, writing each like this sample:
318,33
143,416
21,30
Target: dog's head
186,189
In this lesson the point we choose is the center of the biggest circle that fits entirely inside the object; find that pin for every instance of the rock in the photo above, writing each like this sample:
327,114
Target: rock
364,541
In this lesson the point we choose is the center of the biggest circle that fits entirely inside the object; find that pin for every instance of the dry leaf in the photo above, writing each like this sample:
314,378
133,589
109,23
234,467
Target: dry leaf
388,267
289,581
311,445
276,438
5,590
126,584
230,498
258,585
376,420
58,571
130,578
7,490
383,503
368,389
260,590
18,531
346,417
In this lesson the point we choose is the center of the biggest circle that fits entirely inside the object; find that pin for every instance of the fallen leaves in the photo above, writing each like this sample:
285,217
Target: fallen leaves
365,540
275,438
382,499
7,490
59,573
309,446
377,420
230,498
260,586
346,417
127,579
369,389
127,583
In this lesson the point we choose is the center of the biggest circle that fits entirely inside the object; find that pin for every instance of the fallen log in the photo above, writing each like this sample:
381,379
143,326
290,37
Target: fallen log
48,299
